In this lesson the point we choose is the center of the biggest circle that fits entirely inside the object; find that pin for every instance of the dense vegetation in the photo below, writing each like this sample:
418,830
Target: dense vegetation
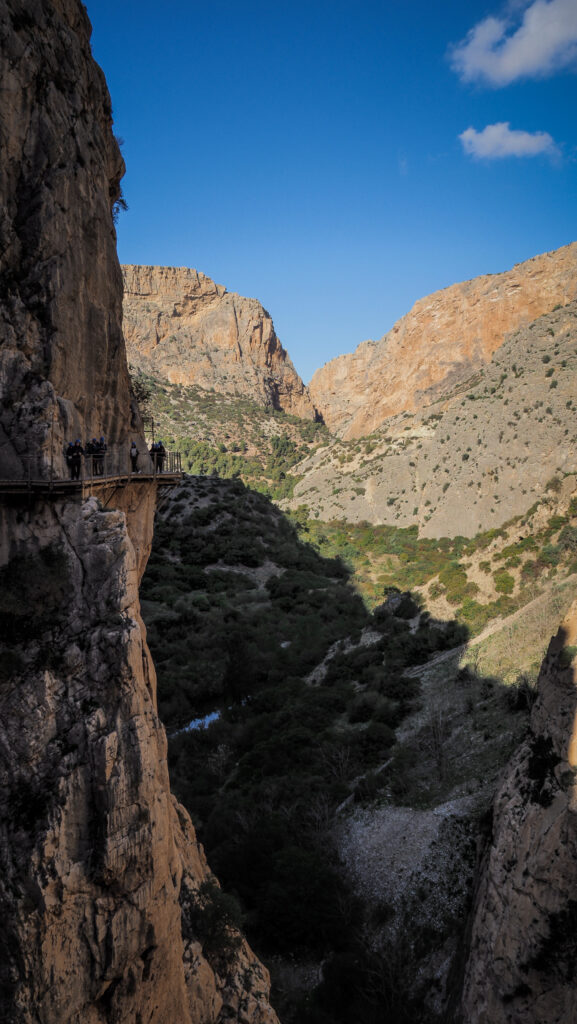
243,605
229,436
383,556
240,611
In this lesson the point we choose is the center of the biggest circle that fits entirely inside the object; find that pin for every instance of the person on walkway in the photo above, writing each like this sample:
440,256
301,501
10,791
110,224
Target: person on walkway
153,455
68,456
76,459
101,449
160,456
90,449
134,457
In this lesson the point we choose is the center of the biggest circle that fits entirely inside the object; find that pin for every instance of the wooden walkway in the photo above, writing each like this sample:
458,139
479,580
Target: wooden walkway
95,485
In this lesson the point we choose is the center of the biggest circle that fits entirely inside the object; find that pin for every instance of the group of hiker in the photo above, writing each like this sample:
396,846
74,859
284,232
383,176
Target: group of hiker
157,453
94,452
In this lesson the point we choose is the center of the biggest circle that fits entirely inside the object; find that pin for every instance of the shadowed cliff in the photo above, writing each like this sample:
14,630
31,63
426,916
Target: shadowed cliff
103,886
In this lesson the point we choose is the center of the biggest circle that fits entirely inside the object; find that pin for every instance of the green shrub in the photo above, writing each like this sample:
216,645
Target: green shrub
504,582
567,656
550,554
215,918
363,707
568,539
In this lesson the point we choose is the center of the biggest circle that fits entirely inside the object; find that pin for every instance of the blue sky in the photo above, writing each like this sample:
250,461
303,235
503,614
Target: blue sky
338,161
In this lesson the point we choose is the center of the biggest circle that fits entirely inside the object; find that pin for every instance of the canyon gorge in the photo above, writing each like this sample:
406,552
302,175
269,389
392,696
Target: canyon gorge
386,785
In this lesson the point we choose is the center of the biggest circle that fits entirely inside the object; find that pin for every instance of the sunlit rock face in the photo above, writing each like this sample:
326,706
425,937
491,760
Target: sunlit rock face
99,866
522,961
181,326
443,339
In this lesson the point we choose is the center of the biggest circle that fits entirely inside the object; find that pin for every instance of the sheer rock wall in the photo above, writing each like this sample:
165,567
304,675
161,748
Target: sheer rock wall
62,363
181,326
99,866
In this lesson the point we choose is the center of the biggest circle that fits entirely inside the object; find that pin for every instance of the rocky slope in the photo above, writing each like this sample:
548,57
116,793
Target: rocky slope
104,917
181,326
483,452
522,960
441,341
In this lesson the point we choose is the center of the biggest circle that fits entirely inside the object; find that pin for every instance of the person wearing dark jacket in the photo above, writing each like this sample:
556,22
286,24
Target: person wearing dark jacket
76,459
160,456
90,449
68,456
101,449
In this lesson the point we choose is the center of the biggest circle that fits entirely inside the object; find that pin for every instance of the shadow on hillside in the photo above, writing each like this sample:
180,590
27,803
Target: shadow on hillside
321,705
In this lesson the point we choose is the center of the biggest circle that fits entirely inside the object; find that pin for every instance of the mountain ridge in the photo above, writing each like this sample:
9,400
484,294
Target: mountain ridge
484,451
445,337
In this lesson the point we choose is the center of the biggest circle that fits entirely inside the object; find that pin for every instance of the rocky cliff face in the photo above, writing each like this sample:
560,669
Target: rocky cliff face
181,326
100,872
60,284
522,960
441,341
99,893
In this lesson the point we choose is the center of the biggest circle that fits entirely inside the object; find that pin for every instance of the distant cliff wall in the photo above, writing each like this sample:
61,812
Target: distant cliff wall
100,870
443,339
483,453
522,961
181,326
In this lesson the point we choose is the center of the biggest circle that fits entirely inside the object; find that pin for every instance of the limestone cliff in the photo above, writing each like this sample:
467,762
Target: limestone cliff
442,340
100,868
100,871
484,452
60,283
522,960
181,326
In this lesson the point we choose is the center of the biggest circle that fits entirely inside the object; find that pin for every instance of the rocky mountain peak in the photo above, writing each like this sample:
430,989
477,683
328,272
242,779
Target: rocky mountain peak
181,326
444,338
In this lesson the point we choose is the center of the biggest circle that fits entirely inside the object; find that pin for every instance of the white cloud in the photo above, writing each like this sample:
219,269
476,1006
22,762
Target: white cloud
499,140
497,52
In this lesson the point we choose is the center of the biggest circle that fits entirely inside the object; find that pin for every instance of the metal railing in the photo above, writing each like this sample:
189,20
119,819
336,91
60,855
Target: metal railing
91,467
